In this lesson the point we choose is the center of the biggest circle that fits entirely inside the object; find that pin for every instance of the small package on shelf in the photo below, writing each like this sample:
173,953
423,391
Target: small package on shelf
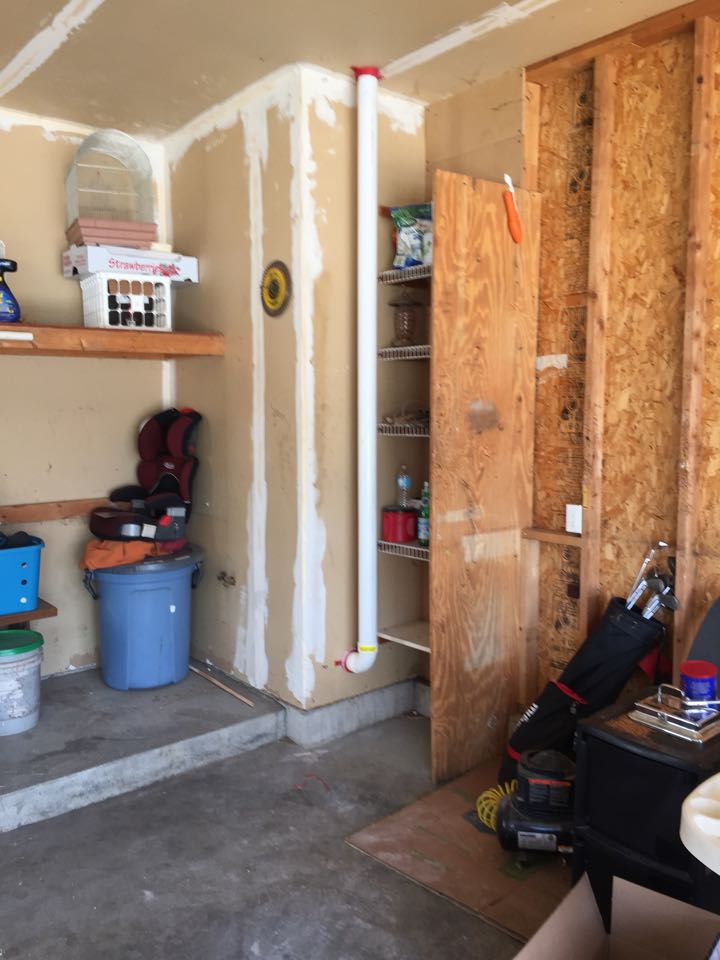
413,233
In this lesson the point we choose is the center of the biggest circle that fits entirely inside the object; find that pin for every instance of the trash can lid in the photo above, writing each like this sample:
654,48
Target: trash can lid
13,642
188,556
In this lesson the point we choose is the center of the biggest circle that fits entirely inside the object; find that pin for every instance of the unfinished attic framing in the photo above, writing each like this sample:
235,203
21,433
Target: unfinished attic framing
622,140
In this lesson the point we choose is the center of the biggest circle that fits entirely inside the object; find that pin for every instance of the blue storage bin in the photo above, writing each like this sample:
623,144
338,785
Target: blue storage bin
19,577
145,620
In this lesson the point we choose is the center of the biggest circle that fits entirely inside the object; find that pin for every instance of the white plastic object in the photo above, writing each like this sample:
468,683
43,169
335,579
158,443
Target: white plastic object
117,301
573,518
110,179
361,659
700,823
17,335
19,692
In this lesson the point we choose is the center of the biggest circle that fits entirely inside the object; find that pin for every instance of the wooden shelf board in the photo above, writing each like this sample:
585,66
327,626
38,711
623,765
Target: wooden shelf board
415,634
553,536
41,612
49,341
50,510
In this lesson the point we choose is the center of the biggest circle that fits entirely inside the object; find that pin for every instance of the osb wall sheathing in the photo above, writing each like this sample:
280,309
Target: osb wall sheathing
644,331
564,176
647,298
707,570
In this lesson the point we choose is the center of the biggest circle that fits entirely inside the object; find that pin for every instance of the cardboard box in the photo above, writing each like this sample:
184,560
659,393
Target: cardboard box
82,261
645,926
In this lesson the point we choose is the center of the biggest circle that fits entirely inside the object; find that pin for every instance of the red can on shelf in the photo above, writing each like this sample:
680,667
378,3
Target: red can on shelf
399,525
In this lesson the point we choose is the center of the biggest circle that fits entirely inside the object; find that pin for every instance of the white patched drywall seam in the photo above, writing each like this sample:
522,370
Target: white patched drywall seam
322,86
272,90
309,600
52,127
497,18
43,45
250,652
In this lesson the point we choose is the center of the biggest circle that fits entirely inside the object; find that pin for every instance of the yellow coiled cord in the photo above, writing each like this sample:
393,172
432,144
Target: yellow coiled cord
488,801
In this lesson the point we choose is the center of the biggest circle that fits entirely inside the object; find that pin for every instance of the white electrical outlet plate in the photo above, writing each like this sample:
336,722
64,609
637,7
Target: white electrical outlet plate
573,517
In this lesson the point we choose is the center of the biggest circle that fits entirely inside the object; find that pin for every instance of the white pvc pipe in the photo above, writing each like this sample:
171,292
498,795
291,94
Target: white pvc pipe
361,659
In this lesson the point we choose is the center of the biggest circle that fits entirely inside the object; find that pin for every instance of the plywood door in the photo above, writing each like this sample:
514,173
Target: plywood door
484,317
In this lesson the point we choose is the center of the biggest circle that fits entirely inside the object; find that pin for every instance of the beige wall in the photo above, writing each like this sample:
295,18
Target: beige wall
275,508
68,425
210,217
276,504
479,132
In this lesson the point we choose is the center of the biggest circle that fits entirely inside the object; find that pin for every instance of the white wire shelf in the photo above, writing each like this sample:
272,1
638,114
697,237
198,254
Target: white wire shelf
415,634
414,352
412,550
406,275
402,430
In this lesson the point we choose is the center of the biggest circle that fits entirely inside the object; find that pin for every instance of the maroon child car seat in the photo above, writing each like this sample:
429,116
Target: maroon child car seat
161,501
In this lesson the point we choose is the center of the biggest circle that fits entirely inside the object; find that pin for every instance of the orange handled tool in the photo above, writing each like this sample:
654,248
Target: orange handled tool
513,217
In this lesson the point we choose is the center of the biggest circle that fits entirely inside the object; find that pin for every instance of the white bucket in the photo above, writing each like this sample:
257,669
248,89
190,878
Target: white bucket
19,691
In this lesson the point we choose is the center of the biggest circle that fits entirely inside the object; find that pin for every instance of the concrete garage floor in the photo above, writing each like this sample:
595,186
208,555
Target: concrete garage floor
244,858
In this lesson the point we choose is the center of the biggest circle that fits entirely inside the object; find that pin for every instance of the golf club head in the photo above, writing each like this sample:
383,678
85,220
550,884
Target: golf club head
658,545
669,601
657,583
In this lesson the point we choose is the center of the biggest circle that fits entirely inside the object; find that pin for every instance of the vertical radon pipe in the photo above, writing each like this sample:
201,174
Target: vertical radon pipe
357,661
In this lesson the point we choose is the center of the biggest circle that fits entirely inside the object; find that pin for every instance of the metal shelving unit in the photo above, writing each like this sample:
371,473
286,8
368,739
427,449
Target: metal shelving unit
414,352
406,275
412,550
402,430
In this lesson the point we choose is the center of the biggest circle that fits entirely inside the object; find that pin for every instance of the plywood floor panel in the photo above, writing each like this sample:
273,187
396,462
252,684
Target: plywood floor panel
435,843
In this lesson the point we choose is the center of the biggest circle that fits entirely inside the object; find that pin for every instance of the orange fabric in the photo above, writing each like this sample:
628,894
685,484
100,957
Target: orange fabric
115,553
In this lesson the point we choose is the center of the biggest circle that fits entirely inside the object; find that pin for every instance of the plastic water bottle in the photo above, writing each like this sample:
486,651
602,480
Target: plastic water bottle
423,524
403,482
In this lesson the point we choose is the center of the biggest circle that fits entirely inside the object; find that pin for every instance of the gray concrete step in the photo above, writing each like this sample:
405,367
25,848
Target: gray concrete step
93,743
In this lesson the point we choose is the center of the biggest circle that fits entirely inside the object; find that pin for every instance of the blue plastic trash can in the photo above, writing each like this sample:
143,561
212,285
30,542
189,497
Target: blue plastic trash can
145,619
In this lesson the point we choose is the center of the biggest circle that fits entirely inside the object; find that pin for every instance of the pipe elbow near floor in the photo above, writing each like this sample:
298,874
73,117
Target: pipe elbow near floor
356,661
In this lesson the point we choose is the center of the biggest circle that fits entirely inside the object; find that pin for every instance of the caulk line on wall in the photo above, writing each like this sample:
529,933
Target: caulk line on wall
44,44
504,15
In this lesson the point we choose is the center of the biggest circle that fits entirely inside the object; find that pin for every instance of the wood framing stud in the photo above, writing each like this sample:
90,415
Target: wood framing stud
531,135
698,247
597,311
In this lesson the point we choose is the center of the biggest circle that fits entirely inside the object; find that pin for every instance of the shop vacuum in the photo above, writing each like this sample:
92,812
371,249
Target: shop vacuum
539,814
